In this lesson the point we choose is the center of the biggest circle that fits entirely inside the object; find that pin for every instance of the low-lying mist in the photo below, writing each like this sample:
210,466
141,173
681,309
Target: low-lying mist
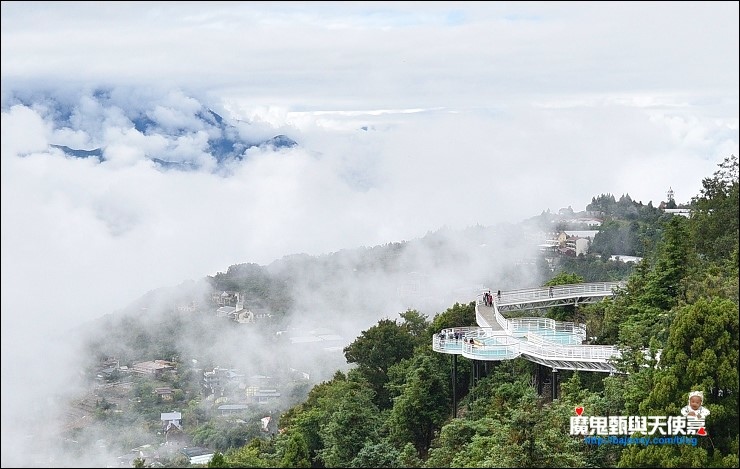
309,309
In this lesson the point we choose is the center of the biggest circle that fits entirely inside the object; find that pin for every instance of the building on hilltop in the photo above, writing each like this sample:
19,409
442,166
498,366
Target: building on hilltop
571,243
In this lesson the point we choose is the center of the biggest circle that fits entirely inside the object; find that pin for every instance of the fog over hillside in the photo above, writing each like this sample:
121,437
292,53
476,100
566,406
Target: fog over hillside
145,146
333,296
91,220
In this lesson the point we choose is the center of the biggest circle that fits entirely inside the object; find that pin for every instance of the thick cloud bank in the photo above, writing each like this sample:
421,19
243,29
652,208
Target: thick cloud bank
144,145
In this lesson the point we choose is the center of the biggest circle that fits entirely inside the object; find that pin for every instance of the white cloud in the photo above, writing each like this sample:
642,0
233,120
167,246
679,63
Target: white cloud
23,131
409,117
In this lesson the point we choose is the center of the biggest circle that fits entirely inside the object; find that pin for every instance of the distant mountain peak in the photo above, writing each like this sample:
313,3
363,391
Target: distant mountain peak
280,141
94,153
155,116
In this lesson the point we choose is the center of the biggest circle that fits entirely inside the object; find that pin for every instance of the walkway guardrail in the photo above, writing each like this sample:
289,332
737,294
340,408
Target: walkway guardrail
450,340
558,291
550,351
542,340
523,325
498,346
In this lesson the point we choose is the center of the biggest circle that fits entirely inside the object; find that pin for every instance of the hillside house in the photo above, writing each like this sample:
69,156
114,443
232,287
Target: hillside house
245,317
232,409
171,420
198,455
226,298
164,393
261,396
575,243
215,381
152,368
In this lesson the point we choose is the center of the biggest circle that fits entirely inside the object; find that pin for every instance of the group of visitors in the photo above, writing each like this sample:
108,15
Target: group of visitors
488,298
455,335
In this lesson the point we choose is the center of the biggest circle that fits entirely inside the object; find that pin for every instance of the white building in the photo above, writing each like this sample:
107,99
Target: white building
198,455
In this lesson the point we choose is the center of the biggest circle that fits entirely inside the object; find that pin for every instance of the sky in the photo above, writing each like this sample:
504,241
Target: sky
409,117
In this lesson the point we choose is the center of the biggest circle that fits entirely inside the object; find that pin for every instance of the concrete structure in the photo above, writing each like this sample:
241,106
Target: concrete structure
684,212
555,344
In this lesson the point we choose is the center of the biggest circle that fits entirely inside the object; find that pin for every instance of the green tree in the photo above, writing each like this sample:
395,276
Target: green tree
604,203
454,437
701,354
296,453
641,313
306,418
304,427
375,350
675,257
408,457
489,448
664,456
608,402
380,454
715,213
537,435
459,315
353,421
564,278
423,404
249,455
331,426
218,460
416,324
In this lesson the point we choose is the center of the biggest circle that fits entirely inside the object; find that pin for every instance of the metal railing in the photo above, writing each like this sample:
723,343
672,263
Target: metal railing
536,346
446,341
539,338
558,291
486,344
523,325
496,346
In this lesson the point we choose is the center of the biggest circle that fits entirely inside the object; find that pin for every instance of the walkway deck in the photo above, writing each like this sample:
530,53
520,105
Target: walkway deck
555,344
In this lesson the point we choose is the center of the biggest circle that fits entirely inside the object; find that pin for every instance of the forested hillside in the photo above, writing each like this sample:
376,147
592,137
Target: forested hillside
394,407
387,400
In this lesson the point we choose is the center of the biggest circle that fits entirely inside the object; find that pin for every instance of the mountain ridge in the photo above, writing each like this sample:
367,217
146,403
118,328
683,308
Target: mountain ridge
186,134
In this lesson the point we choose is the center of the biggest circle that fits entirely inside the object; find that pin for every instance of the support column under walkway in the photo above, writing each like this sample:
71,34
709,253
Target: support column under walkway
454,386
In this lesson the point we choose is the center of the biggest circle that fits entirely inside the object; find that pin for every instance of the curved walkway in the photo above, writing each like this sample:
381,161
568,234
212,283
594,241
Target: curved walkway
555,344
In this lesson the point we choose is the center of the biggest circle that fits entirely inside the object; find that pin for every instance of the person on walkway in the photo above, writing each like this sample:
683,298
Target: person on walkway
550,291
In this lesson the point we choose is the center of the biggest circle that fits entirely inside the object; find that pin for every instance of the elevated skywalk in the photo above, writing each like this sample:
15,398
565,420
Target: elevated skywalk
555,344
560,295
